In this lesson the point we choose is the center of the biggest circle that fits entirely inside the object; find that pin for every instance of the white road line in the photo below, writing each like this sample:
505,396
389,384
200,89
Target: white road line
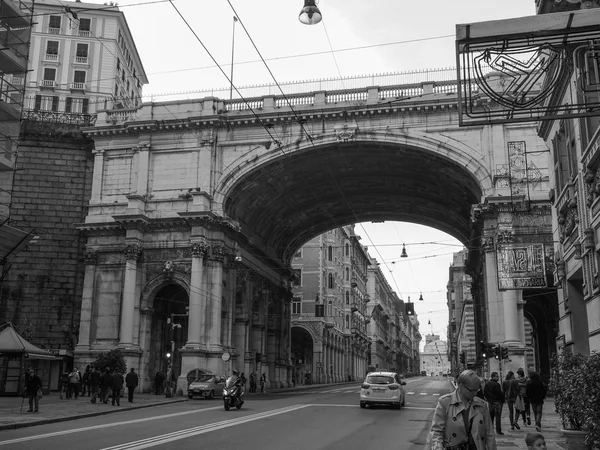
410,393
190,432
436,394
107,425
423,393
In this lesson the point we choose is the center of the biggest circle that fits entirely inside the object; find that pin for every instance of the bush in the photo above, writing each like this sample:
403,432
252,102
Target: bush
114,360
575,383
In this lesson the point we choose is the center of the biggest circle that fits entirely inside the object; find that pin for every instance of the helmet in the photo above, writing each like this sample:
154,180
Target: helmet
236,372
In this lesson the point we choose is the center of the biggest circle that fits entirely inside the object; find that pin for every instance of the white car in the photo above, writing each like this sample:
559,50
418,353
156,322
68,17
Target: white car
383,388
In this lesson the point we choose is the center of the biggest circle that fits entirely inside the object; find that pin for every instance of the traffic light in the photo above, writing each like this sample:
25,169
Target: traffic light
483,348
409,309
504,353
497,352
463,358
258,357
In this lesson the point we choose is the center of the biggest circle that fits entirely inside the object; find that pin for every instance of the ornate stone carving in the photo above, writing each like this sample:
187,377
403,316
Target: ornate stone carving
218,252
345,134
487,243
133,251
199,249
506,237
169,268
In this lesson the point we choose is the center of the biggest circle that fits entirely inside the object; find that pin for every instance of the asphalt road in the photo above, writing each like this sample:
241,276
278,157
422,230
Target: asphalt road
320,418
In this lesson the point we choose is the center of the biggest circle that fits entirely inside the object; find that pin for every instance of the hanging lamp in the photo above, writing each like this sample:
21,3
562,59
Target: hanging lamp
310,14
404,254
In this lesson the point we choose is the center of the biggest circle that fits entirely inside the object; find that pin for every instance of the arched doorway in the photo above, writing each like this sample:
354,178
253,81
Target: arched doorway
169,328
302,355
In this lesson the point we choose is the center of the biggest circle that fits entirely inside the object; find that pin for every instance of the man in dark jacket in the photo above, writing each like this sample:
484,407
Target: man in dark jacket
158,383
33,384
105,383
131,381
94,383
536,391
116,386
495,397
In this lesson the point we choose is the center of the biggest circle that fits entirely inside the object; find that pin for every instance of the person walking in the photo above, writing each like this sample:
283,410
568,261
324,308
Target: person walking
252,381
85,382
536,392
34,383
116,386
74,380
494,395
105,383
94,384
522,404
131,381
159,379
510,386
263,382
462,419
244,380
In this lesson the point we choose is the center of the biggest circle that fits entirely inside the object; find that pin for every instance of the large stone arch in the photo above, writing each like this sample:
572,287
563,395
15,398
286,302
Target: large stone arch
263,182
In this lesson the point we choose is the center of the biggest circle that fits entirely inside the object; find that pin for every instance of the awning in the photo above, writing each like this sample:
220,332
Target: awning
11,343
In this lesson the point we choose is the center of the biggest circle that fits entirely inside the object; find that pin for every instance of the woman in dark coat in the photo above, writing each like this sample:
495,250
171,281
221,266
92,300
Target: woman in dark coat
536,392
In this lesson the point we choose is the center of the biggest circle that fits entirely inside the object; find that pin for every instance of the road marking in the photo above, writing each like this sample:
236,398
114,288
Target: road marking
410,393
436,394
107,425
423,393
190,432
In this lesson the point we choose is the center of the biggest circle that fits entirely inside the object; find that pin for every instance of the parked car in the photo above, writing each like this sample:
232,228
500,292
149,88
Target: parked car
207,386
383,388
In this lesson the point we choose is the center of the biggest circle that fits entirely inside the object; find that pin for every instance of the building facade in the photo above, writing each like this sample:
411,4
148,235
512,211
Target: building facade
83,59
434,357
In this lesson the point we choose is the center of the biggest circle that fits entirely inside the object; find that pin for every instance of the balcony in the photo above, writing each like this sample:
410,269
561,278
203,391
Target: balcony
85,33
48,83
82,60
353,306
77,86
51,57
52,30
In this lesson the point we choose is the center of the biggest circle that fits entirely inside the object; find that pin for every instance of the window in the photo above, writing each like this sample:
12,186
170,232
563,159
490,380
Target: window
79,76
330,281
52,48
347,249
84,27
118,64
330,253
296,306
46,103
49,74
54,24
329,309
297,278
347,274
82,50
347,321
565,157
77,105
347,298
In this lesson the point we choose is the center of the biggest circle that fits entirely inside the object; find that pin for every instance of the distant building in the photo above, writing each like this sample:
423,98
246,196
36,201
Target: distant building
434,357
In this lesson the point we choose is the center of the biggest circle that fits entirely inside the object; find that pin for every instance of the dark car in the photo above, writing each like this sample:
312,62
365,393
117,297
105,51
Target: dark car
207,386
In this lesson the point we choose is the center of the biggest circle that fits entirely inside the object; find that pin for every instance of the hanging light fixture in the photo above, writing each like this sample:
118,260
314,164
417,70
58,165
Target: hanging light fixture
404,254
429,322
310,14
421,297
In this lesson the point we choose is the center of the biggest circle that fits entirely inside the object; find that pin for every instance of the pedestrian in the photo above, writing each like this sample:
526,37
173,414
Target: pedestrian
116,386
535,441
252,382
85,380
462,420
510,386
495,397
34,384
94,383
536,392
522,404
131,381
105,383
263,382
159,379
74,380
243,378
64,385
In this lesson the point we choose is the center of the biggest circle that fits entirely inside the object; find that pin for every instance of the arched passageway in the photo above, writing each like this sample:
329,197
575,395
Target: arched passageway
302,355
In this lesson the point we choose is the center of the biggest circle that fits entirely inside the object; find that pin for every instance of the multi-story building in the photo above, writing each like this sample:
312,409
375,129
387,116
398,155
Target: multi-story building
574,142
83,58
329,341
434,357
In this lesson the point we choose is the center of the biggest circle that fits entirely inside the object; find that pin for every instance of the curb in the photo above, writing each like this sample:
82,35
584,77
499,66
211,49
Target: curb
15,426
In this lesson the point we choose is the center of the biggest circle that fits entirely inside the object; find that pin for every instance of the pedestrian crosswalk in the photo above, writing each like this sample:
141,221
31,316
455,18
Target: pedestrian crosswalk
354,390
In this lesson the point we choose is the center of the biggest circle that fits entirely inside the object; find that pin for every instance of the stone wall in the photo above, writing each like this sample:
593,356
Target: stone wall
41,293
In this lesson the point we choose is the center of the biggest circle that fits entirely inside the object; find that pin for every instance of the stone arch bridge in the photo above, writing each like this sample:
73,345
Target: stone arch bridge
198,206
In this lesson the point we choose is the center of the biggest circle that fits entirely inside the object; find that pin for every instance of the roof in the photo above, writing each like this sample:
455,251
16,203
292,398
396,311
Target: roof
12,342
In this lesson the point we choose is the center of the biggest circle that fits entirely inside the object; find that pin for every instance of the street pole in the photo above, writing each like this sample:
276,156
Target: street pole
235,19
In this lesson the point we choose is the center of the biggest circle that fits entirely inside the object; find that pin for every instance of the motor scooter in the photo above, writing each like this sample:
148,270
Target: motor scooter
233,393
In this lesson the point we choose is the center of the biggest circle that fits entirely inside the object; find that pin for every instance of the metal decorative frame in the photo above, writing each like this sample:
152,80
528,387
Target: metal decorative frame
518,70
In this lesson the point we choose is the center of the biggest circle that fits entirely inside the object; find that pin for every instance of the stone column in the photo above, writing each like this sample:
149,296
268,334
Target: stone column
132,255
511,317
96,196
216,294
87,300
197,306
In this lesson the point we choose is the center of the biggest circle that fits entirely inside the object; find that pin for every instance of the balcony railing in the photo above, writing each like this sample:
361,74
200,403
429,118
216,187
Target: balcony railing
53,30
84,33
81,59
78,86
51,57
48,83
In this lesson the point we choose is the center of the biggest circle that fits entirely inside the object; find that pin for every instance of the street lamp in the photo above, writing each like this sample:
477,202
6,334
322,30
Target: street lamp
310,14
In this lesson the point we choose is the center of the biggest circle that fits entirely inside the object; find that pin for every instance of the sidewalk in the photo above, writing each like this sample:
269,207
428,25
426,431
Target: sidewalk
53,409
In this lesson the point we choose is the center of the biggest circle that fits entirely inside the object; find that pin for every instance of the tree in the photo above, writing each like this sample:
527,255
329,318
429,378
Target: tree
114,360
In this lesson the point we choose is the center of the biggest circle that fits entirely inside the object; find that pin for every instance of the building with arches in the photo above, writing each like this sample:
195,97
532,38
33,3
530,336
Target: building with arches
434,357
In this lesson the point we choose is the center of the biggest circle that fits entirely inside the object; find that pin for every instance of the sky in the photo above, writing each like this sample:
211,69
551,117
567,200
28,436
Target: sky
182,44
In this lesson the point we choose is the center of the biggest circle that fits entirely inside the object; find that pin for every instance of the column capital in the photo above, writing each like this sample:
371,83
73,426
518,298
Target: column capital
200,248
91,258
487,244
98,151
218,252
133,251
